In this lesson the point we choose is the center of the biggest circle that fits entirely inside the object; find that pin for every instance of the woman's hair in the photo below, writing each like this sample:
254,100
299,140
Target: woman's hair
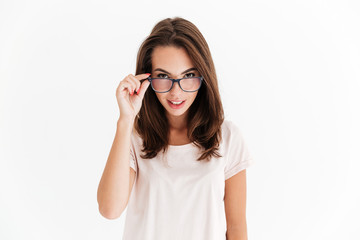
205,115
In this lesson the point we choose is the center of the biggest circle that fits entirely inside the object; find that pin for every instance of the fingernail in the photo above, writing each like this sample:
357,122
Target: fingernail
148,74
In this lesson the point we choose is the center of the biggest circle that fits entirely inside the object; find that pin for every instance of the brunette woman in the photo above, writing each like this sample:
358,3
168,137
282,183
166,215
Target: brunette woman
176,164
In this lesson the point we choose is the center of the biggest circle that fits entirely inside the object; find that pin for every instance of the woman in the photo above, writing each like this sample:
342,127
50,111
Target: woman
175,160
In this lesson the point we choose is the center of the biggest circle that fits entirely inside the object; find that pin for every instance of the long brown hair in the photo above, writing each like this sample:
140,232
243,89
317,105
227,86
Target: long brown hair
205,115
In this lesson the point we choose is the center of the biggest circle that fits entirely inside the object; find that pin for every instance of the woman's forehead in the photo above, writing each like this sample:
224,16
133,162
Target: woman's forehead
171,59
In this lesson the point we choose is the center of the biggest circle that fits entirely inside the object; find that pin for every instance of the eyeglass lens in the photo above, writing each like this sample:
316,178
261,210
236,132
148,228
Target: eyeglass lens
187,84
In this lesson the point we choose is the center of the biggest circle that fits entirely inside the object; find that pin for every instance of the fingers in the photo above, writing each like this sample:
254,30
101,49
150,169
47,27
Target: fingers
125,85
142,76
136,79
132,83
143,88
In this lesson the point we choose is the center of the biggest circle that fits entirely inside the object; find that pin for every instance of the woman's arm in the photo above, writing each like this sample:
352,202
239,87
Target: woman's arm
235,206
114,187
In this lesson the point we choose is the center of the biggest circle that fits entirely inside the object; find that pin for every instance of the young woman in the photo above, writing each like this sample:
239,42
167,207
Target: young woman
175,159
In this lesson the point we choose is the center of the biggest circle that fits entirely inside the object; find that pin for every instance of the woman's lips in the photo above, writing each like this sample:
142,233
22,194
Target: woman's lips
176,106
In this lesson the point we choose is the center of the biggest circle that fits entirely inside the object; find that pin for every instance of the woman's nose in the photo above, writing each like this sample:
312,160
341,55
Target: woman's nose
176,89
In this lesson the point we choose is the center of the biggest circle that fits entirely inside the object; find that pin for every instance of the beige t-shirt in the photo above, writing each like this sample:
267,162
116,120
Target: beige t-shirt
185,200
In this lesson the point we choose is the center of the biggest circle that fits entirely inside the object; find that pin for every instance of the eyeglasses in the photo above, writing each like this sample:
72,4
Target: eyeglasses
163,85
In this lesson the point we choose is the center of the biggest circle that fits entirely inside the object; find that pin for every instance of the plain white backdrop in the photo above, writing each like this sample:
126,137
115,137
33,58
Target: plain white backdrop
289,75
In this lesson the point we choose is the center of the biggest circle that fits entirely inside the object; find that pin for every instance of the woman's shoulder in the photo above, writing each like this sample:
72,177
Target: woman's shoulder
230,130
228,126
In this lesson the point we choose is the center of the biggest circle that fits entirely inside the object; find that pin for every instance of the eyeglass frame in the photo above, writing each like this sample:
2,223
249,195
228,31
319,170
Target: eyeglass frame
173,80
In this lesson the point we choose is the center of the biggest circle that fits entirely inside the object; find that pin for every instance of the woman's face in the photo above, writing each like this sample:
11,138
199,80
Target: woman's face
173,62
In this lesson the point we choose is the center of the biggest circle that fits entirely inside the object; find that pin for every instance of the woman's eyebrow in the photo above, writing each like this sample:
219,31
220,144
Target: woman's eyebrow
162,70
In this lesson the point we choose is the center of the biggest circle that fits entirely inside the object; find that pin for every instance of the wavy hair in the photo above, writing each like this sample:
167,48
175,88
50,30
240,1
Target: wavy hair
205,115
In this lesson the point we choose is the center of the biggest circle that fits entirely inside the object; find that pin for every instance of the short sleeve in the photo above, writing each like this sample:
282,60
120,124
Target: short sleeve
133,159
238,156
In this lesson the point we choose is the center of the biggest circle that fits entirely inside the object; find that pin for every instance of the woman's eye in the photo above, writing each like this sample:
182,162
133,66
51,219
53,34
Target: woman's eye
187,75
161,75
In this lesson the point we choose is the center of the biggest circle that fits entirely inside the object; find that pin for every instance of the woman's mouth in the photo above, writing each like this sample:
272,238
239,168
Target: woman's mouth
176,104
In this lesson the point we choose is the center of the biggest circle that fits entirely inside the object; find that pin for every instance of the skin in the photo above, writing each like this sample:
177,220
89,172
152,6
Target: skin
175,61
235,206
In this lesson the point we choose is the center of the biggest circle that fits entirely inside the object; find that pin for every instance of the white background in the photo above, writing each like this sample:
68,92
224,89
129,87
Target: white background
289,78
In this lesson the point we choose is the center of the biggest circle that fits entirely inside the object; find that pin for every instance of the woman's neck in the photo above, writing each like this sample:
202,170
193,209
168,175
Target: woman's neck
177,123
178,130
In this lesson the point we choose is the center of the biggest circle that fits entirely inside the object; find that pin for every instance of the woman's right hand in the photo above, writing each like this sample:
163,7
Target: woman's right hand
129,95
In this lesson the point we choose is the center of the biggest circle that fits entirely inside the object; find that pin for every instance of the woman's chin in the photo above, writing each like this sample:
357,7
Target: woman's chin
176,112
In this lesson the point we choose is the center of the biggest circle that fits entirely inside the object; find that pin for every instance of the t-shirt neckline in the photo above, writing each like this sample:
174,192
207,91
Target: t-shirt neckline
180,146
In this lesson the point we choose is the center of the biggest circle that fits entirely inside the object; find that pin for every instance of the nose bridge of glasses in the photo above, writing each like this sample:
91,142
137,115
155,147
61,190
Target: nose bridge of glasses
176,84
